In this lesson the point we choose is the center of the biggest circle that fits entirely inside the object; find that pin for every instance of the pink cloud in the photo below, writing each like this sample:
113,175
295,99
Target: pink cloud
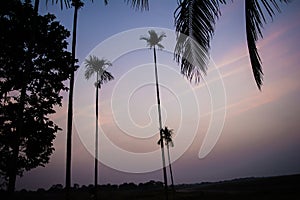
270,94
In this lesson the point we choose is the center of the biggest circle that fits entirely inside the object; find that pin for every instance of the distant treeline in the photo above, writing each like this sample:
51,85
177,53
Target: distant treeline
234,184
151,185
275,188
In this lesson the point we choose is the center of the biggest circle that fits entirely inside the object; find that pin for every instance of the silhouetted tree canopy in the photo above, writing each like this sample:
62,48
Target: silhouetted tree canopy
34,63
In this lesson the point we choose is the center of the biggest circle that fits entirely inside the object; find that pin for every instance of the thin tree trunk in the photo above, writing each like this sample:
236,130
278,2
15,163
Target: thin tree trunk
160,127
70,107
170,167
96,141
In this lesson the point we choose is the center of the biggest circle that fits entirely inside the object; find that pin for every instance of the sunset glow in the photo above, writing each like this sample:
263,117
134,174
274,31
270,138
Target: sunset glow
261,132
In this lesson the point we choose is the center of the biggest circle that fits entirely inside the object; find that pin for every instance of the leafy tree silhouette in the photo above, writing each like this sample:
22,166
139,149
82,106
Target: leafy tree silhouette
95,66
153,41
32,74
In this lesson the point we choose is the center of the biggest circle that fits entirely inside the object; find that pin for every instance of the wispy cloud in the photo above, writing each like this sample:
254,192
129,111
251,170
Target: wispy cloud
270,94
277,32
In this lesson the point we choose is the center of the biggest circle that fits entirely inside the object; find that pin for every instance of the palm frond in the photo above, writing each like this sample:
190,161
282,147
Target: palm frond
153,35
138,4
194,22
161,36
89,72
154,39
69,3
63,3
170,143
160,46
77,3
97,66
167,135
255,20
147,39
159,141
105,77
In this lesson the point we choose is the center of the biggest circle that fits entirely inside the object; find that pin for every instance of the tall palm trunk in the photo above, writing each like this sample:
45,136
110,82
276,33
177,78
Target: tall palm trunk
36,6
170,167
160,126
96,140
70,105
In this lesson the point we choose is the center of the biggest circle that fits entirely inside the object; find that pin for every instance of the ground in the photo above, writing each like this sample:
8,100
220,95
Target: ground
273,188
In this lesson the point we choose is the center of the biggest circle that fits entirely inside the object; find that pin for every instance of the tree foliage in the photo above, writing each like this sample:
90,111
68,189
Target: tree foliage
33,62
96,66
195,25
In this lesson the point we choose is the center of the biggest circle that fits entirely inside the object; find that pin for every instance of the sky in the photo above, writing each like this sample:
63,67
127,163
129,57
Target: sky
224,127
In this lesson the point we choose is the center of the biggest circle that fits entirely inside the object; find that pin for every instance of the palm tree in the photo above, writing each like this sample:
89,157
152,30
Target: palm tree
77,4
196,19
167,136
96,66
152,41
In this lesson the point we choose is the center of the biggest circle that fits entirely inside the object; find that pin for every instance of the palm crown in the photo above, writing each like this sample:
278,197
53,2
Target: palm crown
97,66
167,136
154,39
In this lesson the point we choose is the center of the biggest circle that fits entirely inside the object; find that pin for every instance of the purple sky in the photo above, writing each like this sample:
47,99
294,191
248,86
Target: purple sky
260,136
